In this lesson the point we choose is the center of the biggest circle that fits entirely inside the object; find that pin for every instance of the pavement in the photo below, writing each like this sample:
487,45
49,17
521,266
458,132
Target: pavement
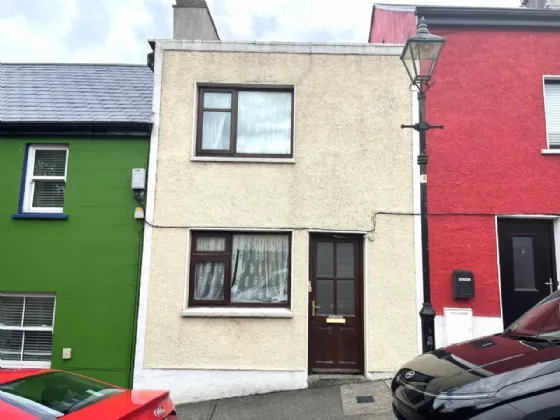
358,401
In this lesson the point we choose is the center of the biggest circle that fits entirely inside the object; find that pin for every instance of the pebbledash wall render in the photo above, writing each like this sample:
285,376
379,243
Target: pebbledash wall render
351,159
492,160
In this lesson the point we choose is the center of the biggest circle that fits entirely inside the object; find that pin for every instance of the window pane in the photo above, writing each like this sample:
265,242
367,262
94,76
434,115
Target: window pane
345,260
37,346
523,263
209,280
38,312
54,395
217,100
264,122
210,244
345,297
325,259
260,268
11,311
324,304
50,163
216,128
10,345
48,194
552,105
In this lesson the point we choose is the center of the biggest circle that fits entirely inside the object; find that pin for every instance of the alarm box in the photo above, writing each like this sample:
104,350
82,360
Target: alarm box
463,284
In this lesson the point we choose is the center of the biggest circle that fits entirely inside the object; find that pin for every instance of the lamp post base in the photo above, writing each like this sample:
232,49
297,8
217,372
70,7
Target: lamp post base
427,317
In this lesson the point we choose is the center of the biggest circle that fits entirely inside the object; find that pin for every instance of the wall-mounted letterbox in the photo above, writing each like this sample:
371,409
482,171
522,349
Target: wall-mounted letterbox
463,284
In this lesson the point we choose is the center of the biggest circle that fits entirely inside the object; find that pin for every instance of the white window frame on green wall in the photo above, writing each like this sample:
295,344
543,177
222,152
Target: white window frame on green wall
25,328
31,178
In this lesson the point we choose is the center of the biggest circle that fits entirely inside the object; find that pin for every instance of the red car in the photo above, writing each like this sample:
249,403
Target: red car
32,394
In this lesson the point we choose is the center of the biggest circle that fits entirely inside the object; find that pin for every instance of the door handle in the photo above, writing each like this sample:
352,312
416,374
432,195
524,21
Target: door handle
549,284
312,308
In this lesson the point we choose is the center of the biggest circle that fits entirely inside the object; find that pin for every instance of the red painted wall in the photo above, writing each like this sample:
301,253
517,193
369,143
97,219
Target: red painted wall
392,26
489,95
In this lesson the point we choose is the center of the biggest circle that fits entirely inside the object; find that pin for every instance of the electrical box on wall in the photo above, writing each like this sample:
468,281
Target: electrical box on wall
138,179
463,284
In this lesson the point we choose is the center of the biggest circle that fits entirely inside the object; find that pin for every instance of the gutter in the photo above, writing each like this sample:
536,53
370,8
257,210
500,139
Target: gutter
75,129
490,17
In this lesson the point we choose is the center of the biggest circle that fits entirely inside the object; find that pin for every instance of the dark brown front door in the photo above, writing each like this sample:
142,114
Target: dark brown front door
527,264
335,310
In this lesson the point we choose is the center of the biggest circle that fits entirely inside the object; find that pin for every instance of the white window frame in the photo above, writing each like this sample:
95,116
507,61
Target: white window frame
15,364
548,150
30,179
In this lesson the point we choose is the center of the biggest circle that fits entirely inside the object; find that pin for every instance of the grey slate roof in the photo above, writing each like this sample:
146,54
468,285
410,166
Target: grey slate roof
75,93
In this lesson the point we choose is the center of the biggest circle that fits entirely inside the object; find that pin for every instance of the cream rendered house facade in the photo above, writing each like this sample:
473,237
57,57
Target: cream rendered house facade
265,259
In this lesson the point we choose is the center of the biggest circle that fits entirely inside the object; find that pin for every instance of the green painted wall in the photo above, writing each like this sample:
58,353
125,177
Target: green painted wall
91,261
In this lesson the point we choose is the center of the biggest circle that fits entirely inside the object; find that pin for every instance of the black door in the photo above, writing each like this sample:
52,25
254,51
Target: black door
527,264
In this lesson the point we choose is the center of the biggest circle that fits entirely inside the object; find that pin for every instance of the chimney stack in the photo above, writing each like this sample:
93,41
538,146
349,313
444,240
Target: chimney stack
192,20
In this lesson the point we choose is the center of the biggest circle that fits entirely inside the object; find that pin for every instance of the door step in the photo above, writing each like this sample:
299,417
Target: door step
323,381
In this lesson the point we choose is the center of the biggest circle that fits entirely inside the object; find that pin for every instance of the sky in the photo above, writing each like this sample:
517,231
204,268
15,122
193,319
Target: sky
116,31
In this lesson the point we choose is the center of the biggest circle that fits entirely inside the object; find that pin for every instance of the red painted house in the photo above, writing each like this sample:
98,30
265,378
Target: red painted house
494,171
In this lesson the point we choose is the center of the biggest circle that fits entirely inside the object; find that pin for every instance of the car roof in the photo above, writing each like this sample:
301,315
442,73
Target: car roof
9,375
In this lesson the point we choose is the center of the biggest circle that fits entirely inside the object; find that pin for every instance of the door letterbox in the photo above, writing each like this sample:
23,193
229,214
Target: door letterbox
463,284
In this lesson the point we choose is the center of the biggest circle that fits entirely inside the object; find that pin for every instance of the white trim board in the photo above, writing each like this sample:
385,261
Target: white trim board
148,230
499,271
188,386
281,47
545,77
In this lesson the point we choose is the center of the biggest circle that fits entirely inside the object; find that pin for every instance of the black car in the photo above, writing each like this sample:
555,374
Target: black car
512,375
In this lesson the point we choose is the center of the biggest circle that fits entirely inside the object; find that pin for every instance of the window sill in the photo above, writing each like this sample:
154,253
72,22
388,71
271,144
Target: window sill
241,159
57,216
550,151
237,313
14,364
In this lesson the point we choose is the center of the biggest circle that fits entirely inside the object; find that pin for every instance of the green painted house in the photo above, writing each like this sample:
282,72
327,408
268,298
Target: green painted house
70,245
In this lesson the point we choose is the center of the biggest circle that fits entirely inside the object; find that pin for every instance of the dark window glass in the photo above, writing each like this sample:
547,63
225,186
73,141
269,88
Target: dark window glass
345,297
345,260
523,263
325,259
325,297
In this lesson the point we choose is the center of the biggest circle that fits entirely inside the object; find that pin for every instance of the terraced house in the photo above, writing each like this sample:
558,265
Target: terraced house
70,136
266,259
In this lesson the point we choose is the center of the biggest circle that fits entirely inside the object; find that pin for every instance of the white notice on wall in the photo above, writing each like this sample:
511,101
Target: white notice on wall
457,325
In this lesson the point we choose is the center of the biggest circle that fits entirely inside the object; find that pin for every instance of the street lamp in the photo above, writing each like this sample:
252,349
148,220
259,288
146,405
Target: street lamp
420,57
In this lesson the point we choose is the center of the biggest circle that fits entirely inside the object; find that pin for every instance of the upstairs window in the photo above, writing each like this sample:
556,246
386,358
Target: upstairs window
45,179
243,122
552,109
26,330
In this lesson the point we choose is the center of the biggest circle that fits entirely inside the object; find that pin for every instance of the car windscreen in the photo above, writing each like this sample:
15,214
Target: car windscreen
52,395
542,321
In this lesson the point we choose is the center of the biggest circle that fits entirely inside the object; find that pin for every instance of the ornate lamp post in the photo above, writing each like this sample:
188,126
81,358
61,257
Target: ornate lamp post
420,57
